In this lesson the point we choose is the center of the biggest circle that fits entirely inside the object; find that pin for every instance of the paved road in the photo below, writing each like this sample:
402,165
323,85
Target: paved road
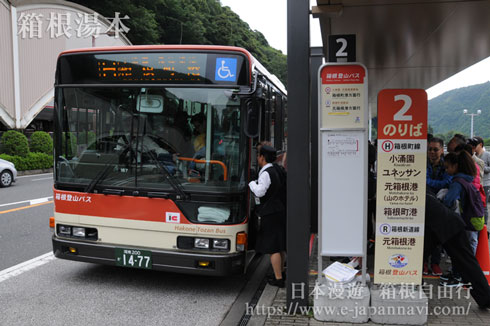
24,231
72,293
49,291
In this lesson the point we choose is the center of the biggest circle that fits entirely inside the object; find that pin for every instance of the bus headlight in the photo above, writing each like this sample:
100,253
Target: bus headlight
201,243
64,230
79,232
222,244
76,232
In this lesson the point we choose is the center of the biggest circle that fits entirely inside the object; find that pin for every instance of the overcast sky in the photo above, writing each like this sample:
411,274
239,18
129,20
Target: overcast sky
275,32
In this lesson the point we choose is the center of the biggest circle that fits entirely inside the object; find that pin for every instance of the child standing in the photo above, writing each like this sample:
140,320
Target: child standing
462,167
463,197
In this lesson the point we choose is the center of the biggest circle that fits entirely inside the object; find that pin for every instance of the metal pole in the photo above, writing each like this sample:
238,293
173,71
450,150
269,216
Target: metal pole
298,219
471,132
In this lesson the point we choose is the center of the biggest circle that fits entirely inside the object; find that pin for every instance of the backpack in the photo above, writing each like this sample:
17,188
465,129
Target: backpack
472,211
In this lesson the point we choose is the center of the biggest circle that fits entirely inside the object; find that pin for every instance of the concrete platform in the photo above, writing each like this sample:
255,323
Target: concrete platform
399,305
448,307
347,303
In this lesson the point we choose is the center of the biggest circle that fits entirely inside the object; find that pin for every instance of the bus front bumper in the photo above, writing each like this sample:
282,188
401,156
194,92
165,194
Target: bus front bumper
162,260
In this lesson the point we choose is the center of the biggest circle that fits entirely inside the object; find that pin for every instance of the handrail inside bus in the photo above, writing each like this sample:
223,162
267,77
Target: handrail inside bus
225,169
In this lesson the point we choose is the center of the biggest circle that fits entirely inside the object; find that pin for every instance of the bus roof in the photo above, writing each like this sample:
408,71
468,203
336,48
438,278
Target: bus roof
254,62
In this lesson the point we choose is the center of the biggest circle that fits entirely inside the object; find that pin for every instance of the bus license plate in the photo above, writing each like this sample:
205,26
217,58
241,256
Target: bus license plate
133,258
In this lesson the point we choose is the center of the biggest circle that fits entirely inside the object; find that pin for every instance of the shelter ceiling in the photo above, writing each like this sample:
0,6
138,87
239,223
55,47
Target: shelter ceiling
409,44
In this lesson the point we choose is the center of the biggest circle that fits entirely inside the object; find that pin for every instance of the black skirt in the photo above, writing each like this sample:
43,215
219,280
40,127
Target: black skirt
271,238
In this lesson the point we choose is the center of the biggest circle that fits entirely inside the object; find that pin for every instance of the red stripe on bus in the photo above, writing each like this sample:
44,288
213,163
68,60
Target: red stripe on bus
113,206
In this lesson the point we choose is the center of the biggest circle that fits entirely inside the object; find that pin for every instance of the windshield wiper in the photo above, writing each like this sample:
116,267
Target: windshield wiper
102,174
170,178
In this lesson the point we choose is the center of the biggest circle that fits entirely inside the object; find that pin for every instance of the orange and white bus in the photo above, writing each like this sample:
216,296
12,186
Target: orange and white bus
154,148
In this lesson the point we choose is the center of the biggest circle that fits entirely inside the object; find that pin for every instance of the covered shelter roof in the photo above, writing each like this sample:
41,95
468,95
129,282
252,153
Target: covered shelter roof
409,43
32,34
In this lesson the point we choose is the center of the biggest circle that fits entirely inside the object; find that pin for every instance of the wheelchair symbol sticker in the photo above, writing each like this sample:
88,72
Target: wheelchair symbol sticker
225,69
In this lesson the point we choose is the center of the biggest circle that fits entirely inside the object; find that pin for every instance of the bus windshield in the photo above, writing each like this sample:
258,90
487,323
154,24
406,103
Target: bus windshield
150,139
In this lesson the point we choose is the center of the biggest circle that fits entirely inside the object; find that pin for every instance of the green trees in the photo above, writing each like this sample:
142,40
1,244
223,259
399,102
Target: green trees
41,142
191,22
14,143
14,147
446,111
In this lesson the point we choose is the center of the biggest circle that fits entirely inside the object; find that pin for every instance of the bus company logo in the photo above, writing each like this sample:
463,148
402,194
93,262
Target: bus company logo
387,146
385,229
73,198
398,261
172,217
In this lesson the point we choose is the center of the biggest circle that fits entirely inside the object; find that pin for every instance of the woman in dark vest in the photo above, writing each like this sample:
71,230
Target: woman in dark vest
271,236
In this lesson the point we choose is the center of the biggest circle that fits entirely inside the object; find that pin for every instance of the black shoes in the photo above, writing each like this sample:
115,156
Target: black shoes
275,282
452,282
446,276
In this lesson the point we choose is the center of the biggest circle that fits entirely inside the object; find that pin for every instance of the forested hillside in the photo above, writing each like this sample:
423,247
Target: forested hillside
446,111
190,22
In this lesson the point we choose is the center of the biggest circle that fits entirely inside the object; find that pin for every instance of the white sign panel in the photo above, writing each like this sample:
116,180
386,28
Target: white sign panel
343,159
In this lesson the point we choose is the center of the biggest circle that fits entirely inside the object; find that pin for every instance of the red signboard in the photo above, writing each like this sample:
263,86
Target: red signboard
343,74
402,114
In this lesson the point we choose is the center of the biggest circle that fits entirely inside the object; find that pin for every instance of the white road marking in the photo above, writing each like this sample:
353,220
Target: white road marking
33,175
25,266
39,200
30,201
51,178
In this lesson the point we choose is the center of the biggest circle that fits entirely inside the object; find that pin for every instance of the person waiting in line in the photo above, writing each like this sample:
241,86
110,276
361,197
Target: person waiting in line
480,151
460,166
444,227
471,143
270,211
437,179
457,143
477,179
458,139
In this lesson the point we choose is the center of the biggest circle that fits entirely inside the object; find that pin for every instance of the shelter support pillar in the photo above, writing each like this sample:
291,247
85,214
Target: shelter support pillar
298,219
316,60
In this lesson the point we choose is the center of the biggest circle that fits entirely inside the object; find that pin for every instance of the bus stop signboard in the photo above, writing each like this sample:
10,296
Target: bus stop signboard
401,183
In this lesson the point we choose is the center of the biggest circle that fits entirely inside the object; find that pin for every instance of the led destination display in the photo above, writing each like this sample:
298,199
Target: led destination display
153,68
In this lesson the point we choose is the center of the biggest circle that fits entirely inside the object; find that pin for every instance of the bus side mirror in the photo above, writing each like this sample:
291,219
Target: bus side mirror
252,118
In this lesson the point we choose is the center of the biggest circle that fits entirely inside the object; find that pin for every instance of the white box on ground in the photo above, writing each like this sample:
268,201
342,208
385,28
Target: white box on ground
338,272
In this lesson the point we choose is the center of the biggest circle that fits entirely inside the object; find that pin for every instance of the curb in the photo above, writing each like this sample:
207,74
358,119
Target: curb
31,172
266,300
238,308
